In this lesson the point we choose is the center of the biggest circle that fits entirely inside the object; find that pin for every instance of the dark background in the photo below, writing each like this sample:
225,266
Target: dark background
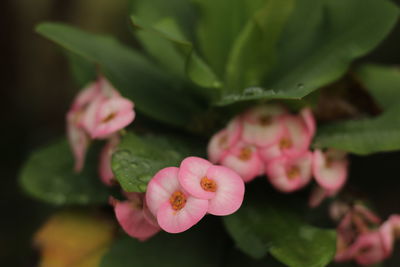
36,90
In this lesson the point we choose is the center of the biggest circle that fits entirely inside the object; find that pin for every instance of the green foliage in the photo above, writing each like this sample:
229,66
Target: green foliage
319,41
262,225
192,248
369,135
154,93
138,158
48,176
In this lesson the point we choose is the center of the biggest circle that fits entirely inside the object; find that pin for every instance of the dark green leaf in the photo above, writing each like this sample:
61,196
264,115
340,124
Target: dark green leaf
82,70
254,50
48,176
319,42
262,226
192,248
154,93
137,159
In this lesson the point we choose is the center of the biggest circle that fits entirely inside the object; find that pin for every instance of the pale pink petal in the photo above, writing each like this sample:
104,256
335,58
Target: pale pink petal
85,96
230,191
387,236
107,89
177,221
298,139
89,119
244,160
267,154
262,125
161,187
218,146
308,117
290,174
329,172
395,222
132,220
367,214
191,172
368,249
78,140
105,171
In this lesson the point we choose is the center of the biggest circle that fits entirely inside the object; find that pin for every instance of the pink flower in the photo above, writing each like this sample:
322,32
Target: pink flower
222,141
244,159
318,195
105,171
290,174
134,216
309,120
369,249
175,209
330,169
294,141
221,186
262,125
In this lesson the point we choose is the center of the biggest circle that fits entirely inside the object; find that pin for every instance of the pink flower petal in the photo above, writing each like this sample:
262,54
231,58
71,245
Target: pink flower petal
78,140
308,117
298,139
330,171
191,172
105,171
318,195
177,221
161,187
131,218
368,249
290,174
262,125
85,96
244,160
230,191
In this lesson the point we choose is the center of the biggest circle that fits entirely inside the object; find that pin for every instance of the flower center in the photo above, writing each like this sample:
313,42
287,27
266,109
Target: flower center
110,116
245,154
285,143
293,172
265,120
177,200
208,184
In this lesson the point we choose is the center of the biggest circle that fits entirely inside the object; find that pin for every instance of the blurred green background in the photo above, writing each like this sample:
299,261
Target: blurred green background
37,89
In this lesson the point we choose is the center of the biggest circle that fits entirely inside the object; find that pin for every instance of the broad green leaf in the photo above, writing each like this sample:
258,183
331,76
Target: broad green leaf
137,159
238,259
154,93
82,70
194,67
48,176
254,50
382,82
261,226
219,25
369,135
193,248
319,42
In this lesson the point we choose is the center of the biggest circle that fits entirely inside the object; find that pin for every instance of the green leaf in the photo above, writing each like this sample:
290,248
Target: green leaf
138,158
262,226
48,176
319,42
369,135
192,248
254,51
194,67
82,70
219,25
154,93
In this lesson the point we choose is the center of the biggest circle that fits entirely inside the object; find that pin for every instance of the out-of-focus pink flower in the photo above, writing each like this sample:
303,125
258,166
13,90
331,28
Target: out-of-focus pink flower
175,209
369,249
318,195
309,120
244,159
262,125
134,216
220,185
290,174
222,141
105,171
294,141
330,169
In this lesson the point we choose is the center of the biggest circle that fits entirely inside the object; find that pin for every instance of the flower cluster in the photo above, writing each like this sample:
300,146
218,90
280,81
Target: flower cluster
98,112
269,140
361,235
178,198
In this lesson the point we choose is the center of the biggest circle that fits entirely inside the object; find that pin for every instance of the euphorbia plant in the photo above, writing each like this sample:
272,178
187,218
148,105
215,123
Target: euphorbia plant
220,114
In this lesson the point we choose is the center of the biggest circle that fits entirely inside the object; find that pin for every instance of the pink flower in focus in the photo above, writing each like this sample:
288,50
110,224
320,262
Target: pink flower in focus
134,216
105,171
221,186
290,174
175,209
262,125
222,141
330,169
244,159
